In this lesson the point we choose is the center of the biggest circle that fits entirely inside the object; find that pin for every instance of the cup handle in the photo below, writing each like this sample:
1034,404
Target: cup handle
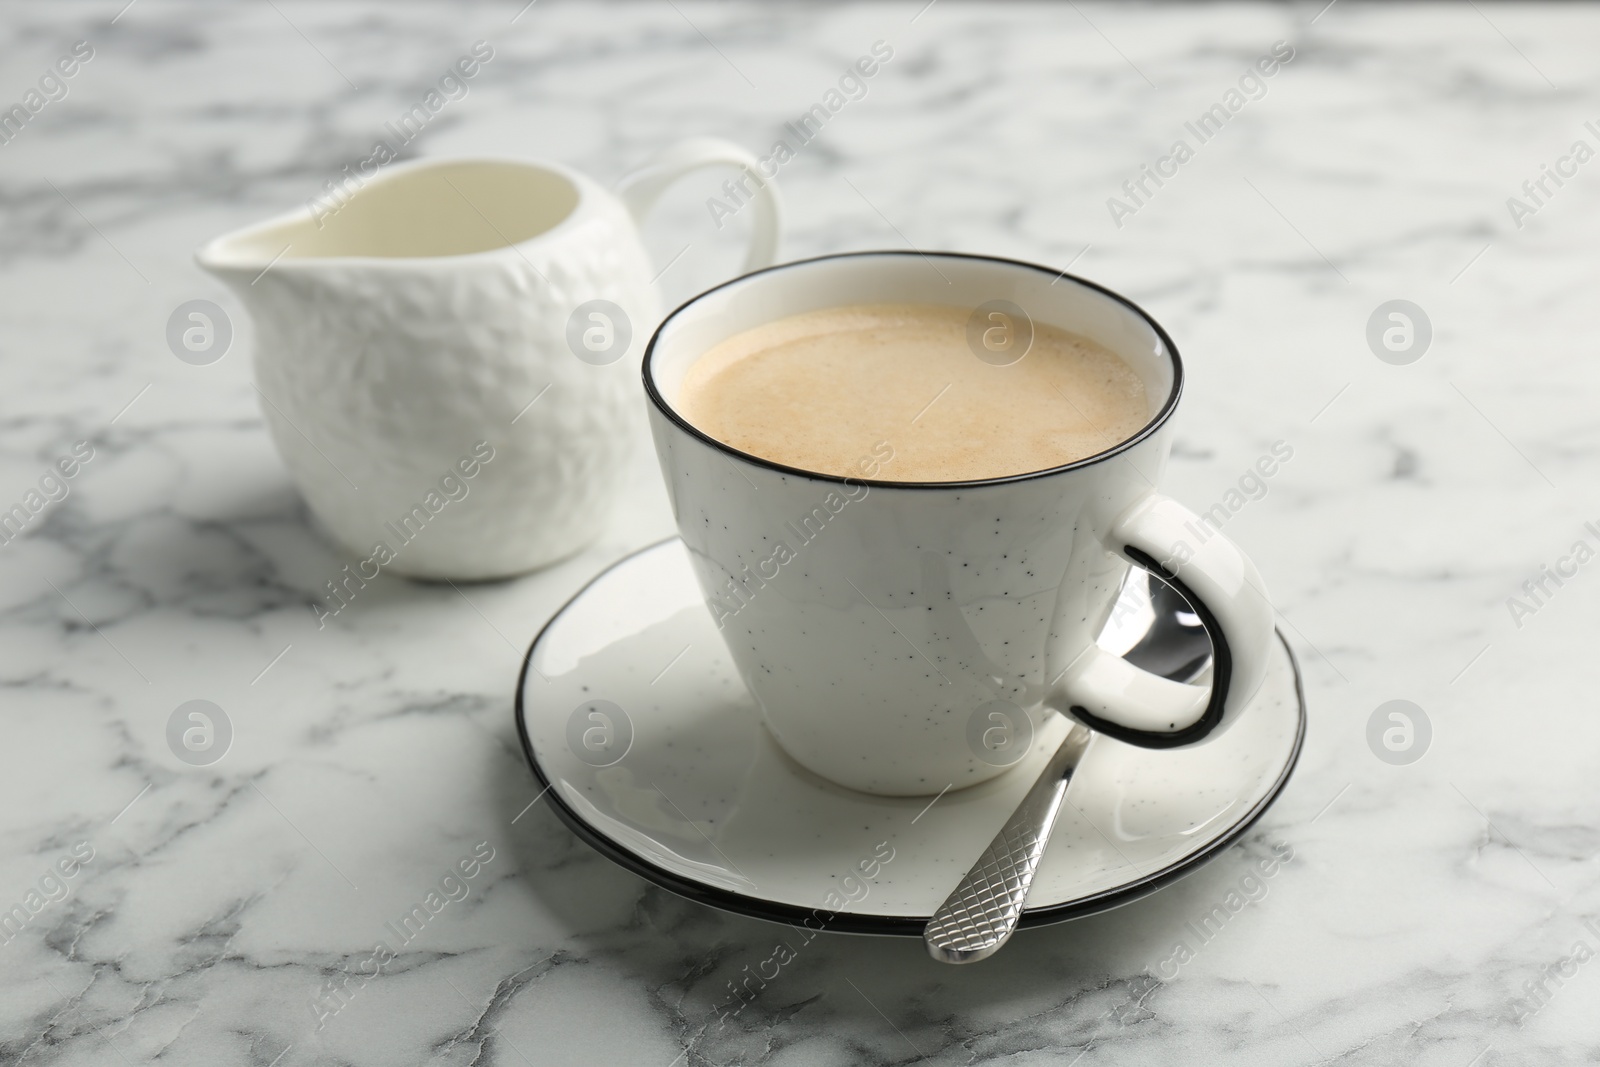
640,190
1110,695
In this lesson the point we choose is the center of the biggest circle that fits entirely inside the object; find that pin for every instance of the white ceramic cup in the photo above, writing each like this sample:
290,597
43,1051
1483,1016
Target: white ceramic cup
455,315
903,627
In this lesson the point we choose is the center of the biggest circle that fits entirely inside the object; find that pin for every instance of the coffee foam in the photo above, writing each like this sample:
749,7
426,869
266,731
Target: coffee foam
820,390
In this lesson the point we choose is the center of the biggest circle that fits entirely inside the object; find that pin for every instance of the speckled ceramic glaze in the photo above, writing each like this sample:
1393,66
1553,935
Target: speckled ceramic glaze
692,793
885,629
435,312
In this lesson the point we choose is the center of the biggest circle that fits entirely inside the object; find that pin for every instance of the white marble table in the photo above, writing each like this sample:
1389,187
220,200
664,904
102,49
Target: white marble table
1441,912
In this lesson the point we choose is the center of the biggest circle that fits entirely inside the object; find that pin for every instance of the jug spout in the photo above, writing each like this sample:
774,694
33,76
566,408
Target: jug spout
241,256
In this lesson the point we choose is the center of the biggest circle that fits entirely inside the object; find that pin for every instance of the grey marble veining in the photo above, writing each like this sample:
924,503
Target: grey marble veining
1442,912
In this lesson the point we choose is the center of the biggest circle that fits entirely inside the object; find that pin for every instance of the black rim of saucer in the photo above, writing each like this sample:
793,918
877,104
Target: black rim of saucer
852,923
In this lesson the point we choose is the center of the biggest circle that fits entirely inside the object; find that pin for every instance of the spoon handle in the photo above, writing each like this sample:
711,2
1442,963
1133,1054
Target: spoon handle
981,913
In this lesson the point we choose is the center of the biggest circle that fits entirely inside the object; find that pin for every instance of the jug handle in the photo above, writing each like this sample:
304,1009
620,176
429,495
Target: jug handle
640,190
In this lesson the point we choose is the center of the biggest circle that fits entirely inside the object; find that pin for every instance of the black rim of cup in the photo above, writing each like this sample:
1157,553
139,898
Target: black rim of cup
1149,428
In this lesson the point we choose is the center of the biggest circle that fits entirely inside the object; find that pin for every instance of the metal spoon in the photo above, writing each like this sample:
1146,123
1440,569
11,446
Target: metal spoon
981,913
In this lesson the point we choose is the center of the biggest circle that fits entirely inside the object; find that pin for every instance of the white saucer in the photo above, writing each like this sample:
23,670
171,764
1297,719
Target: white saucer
699,799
